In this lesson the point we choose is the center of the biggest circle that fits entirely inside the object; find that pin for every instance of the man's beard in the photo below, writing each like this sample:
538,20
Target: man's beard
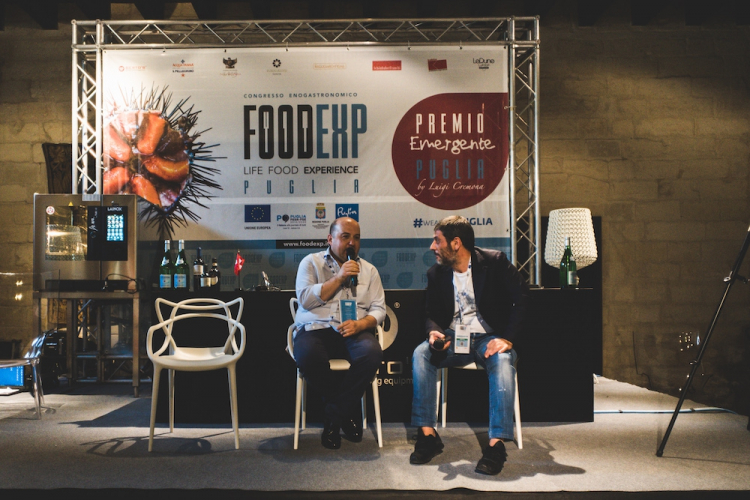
446,258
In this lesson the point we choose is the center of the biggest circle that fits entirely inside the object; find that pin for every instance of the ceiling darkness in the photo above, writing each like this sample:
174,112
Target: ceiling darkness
586,12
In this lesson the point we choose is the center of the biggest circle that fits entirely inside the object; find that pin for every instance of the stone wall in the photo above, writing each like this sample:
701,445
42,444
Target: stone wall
649,127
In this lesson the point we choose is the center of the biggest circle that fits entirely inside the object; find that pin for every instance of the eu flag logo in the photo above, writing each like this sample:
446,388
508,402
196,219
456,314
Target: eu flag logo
257,213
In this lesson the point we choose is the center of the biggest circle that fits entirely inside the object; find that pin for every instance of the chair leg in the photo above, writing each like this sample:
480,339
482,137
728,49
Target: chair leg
517,412
297,409
171,400
154,399
304,403
438,395
376,406
37,386
233,404
364,410
444,394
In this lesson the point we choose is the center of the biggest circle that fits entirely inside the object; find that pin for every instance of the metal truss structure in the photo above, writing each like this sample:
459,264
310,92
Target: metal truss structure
519,34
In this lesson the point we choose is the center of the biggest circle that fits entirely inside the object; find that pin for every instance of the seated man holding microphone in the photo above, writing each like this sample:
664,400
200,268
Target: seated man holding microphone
475,302
341,302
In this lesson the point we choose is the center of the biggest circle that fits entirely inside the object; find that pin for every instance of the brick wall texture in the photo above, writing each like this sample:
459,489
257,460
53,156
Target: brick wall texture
649,127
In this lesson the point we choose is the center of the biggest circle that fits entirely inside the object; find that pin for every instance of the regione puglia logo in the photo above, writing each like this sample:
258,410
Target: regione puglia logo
450,151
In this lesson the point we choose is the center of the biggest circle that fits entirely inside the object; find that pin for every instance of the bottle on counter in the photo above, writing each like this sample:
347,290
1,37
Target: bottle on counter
181,268
198,268
214,275
167,268
206,277
568,272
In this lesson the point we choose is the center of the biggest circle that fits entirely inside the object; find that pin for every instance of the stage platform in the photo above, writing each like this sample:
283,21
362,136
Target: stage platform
92,443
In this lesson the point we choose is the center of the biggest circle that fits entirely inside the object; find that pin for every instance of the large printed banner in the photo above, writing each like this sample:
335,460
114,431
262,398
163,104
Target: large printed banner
395,137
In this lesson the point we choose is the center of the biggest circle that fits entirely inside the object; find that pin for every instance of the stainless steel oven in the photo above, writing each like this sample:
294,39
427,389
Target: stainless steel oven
86,242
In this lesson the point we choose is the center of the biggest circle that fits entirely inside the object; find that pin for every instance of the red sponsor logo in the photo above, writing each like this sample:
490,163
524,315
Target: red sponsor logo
437,64
386,65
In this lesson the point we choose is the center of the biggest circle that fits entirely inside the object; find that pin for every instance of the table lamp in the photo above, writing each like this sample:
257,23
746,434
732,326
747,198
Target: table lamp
575,223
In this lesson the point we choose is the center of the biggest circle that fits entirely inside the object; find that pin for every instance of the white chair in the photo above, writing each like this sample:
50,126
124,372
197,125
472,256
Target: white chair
443,398
31,358
175,357
300,407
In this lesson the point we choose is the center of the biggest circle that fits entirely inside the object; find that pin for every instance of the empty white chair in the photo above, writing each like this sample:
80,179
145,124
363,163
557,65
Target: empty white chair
175,357
300,407
443,399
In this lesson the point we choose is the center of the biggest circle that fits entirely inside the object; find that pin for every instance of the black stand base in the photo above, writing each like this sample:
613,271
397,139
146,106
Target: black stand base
733,276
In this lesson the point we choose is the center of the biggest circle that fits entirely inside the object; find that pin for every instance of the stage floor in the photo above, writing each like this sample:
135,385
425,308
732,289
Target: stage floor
96,437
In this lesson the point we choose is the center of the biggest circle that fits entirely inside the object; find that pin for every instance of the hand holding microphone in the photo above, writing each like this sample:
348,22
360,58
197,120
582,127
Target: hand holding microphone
350,256
439,341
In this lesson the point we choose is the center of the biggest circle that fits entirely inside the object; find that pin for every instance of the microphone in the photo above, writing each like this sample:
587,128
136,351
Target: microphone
438,344
350,256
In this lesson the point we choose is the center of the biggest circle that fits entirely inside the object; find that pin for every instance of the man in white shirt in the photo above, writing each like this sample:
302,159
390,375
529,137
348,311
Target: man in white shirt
331,286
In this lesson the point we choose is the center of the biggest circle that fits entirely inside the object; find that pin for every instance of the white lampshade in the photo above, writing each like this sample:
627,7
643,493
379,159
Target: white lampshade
574,223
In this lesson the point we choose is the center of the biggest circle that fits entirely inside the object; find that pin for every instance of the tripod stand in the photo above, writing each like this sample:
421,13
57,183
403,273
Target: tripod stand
729,280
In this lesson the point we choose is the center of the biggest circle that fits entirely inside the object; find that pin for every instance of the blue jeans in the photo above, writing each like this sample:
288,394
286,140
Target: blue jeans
500,371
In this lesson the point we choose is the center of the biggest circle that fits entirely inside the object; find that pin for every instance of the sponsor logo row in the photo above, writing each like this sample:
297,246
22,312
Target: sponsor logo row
232,66
268,217
319,218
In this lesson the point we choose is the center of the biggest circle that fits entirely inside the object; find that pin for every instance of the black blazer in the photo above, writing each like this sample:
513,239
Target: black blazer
500,291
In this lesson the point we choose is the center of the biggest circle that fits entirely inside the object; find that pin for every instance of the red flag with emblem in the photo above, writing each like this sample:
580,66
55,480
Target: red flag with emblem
238,262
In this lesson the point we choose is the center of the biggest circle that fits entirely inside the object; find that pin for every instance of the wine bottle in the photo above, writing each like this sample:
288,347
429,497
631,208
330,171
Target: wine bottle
568,273
198,266
215,275
181,268
166,270
206,277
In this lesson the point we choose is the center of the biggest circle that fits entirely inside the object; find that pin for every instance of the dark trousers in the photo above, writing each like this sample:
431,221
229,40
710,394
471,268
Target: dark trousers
313,349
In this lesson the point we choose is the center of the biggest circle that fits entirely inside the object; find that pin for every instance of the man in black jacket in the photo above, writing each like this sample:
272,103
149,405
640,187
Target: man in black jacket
475,303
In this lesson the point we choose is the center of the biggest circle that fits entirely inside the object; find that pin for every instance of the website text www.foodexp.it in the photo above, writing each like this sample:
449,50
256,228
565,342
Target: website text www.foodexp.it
287,244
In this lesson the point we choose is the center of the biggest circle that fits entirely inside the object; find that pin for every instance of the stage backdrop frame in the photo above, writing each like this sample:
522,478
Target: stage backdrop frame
519,34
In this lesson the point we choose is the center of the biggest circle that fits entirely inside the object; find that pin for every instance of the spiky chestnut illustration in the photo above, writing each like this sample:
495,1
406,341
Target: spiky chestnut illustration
151,151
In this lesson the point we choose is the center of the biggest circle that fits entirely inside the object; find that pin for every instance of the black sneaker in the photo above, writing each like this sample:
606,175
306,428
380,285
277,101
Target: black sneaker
493,459
426,448
330,438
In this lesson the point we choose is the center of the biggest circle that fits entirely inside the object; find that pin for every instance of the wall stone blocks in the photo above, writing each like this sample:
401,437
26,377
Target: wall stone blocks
15,153
722,126
676,231
603,149
715,209
659,210
683,251
666,126
634,190
691,67
683,190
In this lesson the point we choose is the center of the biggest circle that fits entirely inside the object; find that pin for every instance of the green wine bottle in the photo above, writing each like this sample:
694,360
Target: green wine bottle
181,268
568,272
166,269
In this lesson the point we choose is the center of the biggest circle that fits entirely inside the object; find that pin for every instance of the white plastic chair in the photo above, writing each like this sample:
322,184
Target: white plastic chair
174,357
443,399
300,407
31,358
